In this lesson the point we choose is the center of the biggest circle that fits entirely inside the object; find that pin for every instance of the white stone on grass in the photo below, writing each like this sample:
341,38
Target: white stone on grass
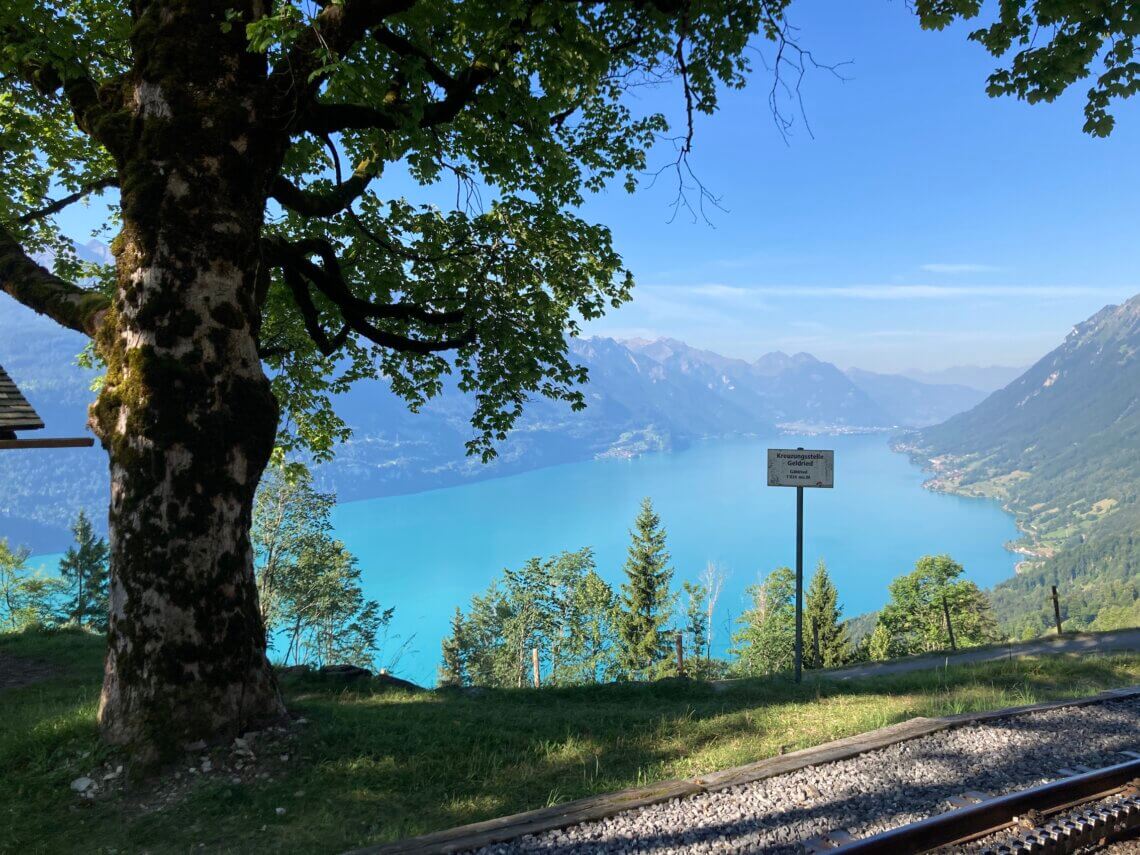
83,784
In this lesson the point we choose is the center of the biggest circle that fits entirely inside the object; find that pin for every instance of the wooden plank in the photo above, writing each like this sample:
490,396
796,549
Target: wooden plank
536,821
840,749
962,719
58,442
504,828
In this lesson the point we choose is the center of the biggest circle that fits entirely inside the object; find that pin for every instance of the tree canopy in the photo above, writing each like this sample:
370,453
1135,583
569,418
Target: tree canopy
915,619
519,104
765,639
514,111
1054,44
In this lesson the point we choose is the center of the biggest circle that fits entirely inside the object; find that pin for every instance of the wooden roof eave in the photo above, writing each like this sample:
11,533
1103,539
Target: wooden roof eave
16,414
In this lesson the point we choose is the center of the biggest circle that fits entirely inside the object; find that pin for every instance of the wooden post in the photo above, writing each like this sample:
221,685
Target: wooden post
680,656
815,643
1057,611
534,661
949,625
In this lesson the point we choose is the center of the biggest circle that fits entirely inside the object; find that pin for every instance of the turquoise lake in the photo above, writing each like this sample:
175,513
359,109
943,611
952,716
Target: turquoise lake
425,553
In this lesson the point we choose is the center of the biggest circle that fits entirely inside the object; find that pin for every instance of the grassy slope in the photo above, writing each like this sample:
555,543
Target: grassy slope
1056,447
377,767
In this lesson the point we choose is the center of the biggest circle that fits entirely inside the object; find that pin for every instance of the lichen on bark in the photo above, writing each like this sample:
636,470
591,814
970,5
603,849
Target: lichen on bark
186,413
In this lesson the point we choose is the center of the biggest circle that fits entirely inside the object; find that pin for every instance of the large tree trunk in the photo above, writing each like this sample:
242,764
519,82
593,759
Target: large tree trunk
187,415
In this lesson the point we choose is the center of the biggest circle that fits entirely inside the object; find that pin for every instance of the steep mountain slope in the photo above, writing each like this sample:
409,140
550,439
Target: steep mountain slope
1061,447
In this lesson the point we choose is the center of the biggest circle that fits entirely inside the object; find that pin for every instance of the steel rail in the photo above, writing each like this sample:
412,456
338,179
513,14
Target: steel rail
993,815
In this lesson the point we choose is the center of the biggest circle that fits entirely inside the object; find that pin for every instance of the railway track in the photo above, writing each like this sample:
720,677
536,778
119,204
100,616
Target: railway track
1086,809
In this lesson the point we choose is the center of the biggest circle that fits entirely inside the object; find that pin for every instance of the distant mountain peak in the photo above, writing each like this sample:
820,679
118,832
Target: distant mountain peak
772,363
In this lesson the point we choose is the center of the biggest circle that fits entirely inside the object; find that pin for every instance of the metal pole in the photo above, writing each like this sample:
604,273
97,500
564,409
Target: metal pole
534,662
680,656
799,583
1057,611
949,625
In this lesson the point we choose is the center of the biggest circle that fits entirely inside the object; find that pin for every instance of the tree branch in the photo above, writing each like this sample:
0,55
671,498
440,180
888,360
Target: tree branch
58,205
309,314
401,46
322,118
334,31
300,272
90,105
350,22
42,291
339,26
309,203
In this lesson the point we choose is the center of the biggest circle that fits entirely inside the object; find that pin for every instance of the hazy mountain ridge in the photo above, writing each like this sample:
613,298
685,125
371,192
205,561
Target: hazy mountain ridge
642,396
1059,446
914,404
987,378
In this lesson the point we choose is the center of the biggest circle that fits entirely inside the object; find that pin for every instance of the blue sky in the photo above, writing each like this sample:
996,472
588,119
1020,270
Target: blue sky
923,225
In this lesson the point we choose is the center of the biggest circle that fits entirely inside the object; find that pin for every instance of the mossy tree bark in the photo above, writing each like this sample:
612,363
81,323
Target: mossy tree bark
186,413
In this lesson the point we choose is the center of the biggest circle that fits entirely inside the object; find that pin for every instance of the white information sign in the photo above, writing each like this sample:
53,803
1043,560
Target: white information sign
800,467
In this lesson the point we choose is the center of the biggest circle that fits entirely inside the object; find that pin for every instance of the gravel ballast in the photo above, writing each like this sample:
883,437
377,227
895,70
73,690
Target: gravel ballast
867,794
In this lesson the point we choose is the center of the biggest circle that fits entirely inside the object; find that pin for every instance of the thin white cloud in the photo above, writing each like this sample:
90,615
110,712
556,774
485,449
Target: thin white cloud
960,268
729,293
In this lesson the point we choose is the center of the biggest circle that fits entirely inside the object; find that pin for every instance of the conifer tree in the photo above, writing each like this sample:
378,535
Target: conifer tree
453,669
646,601
696,618
822,612
84,569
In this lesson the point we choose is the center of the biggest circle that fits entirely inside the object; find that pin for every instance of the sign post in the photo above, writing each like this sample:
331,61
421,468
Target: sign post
800,468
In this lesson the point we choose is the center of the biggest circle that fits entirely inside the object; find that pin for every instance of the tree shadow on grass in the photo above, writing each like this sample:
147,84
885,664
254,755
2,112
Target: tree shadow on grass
845,801
425,762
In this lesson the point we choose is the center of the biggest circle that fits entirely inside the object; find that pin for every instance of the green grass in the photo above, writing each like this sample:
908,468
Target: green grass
375,767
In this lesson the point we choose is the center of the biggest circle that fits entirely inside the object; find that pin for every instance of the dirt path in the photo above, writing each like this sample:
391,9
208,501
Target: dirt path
16,671
1100,642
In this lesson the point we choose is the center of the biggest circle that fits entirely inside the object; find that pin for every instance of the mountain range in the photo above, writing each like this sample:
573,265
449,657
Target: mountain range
642,396
1060,447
